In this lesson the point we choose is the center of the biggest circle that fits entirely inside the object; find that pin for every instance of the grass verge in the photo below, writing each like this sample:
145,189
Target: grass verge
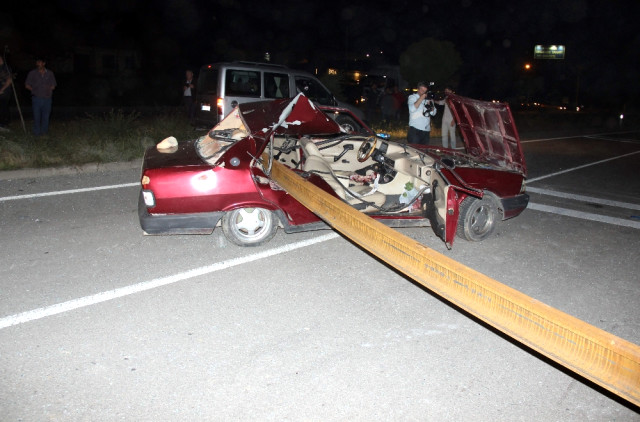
94,138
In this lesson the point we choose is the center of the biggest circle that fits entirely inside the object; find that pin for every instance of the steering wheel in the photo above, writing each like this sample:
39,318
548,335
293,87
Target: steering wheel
366,149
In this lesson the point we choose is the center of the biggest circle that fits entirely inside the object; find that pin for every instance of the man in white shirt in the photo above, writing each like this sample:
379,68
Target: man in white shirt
421,109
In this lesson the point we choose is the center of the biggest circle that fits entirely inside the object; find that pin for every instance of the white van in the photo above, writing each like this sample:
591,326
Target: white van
222,86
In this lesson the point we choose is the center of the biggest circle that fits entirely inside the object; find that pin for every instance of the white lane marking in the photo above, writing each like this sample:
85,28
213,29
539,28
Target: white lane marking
583,198
528,141
605,138
584,215
535,179
578,136
82,302
67,192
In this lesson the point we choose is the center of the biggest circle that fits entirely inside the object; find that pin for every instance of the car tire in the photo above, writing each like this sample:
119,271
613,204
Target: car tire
348,124
478,218
249,226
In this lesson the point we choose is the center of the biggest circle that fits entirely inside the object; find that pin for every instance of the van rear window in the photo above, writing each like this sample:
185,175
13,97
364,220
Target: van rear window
208,81
242,83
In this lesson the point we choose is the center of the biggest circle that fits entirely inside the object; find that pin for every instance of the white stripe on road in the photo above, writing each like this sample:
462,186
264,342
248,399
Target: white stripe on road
594,136
589,199
605,138
67,192
584,215
535,179
82,302
528,141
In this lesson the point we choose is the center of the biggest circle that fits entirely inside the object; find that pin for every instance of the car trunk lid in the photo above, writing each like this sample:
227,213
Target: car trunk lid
184,154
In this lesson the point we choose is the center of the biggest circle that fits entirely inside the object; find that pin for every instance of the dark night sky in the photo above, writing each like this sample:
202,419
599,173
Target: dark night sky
494,38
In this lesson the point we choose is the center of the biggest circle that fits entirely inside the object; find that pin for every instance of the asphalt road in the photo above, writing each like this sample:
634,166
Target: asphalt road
98,322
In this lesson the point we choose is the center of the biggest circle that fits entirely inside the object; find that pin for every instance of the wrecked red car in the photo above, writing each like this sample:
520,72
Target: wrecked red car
219,180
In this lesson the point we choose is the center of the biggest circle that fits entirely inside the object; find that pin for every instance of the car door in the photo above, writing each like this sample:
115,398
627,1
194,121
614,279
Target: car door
441,207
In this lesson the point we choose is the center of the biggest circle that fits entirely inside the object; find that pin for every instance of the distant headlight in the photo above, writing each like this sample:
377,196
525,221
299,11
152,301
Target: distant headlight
149,199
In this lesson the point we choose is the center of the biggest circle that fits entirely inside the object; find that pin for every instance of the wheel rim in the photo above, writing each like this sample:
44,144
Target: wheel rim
348,127
481,220
250,223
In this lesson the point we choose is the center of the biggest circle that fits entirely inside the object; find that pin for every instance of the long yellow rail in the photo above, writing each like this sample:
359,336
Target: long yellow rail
595,354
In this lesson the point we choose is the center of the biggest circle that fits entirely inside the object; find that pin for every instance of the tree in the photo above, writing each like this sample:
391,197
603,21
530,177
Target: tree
431,60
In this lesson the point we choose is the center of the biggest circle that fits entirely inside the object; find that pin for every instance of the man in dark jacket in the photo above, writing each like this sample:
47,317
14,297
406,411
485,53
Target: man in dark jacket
41,82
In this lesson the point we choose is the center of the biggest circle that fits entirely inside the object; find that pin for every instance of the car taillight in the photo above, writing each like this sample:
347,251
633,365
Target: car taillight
145,180
149,198
220,106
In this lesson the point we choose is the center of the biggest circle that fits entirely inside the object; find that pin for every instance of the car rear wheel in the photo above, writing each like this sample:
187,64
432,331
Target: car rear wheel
249,226
478,218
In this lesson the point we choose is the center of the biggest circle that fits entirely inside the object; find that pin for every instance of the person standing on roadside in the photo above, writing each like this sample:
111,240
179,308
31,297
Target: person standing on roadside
5,93
399,99
421,110
448,124
189,95
41,82
387,106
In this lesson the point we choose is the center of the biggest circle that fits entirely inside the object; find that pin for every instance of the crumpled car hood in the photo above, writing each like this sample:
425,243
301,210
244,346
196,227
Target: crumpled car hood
489,132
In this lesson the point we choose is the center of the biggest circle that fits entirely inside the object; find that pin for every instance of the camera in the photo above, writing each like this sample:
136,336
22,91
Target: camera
428,100
428,106
431,92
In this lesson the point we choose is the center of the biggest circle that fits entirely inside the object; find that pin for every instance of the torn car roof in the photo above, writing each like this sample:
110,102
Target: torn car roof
297,116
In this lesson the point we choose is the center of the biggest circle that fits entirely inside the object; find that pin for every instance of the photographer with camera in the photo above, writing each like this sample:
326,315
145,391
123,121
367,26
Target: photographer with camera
421,109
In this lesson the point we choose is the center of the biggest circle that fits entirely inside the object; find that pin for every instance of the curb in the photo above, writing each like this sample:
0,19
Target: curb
69,170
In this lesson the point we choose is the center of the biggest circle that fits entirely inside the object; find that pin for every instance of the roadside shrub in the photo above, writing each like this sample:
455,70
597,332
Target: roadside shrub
12,155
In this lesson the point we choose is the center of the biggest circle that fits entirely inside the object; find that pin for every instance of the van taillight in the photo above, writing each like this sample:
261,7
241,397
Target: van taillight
220,106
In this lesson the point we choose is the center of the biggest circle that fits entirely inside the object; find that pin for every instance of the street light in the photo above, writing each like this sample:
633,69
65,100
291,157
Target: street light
527,81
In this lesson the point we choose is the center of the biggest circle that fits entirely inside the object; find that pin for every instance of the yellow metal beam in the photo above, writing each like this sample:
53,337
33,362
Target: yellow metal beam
595,354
